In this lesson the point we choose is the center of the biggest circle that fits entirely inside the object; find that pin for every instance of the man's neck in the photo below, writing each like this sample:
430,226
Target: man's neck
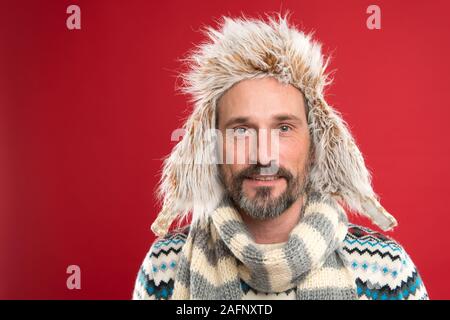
274,230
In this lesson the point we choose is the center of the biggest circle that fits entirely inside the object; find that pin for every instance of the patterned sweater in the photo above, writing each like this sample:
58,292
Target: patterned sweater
381,267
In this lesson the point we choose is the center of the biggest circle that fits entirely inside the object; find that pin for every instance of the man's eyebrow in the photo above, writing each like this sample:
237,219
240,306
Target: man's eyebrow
236,120
287,116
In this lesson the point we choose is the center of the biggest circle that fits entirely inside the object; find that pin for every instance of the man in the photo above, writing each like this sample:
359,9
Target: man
267,202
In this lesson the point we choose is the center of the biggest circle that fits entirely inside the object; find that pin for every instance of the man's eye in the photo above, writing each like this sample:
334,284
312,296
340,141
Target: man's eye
285,128
240,131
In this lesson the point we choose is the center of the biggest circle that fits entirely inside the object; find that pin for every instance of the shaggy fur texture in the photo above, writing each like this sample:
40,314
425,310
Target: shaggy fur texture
244,48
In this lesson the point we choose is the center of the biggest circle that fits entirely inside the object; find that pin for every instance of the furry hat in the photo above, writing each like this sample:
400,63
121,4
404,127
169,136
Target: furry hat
244,48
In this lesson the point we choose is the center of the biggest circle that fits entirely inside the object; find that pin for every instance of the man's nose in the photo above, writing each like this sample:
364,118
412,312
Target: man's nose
267,147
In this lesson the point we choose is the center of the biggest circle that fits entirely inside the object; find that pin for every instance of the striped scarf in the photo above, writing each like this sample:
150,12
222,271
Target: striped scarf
219,254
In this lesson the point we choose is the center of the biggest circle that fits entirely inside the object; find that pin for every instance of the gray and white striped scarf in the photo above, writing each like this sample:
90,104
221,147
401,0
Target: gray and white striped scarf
218,254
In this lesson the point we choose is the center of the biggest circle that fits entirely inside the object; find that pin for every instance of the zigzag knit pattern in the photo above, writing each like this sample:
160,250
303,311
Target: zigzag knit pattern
381,268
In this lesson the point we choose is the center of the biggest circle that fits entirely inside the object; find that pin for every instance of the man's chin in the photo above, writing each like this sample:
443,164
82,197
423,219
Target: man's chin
261,212
263,204
269,193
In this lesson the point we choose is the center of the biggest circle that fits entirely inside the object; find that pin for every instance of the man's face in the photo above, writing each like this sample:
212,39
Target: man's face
269,131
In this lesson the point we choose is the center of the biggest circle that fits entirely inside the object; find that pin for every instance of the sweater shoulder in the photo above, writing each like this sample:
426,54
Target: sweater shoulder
155,279
368,238
170,241
381,266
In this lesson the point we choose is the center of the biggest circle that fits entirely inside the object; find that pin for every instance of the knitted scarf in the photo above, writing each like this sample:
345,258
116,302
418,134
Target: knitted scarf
221,252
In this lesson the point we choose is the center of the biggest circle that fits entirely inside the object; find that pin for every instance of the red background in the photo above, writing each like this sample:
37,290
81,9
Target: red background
86,116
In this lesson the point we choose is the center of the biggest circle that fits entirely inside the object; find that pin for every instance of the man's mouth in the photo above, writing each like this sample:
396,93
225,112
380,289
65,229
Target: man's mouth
263,178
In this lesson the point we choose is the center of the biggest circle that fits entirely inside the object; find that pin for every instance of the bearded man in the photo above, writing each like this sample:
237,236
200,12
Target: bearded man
268,202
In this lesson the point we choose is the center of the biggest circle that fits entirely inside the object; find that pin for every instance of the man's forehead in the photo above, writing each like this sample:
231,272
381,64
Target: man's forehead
261,90
293,111
261,98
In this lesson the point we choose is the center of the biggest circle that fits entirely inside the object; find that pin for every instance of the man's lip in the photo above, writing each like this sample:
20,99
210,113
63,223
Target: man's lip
263,177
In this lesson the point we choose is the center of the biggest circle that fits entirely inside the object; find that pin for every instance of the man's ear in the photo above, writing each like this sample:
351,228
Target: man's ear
312,150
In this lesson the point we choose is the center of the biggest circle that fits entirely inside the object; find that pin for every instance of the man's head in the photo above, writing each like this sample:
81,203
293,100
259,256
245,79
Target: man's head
242,49
251,111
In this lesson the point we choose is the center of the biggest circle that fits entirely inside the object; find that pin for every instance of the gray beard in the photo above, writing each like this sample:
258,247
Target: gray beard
263,206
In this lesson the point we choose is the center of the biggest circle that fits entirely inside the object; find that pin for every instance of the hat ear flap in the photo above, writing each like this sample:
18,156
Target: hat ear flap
190,180
338,167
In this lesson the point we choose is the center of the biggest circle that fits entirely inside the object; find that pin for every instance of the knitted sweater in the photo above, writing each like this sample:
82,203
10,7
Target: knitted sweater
381,268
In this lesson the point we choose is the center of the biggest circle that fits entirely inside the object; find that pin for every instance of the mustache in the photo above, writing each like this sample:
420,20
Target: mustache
255,170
